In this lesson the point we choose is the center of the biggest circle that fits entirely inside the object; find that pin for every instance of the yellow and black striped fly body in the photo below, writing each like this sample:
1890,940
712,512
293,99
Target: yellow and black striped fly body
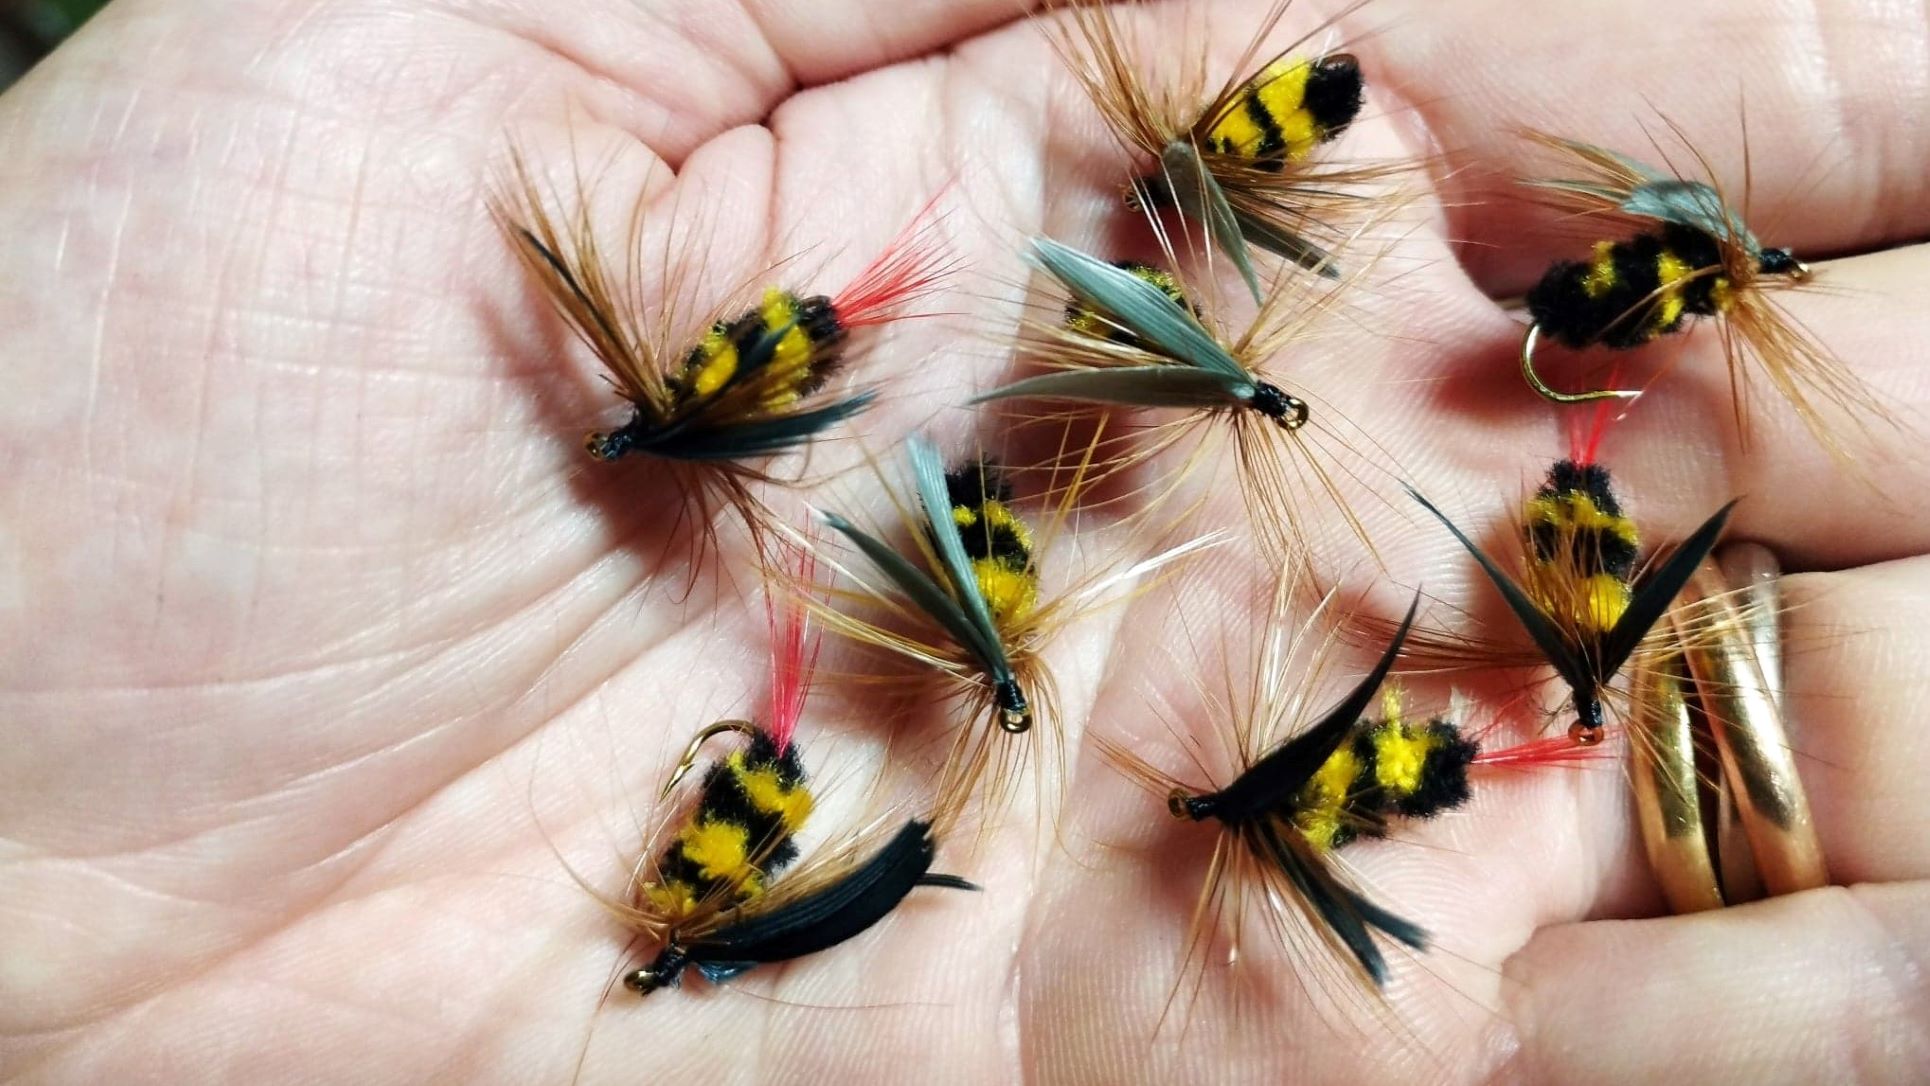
1579,597
1631,292
1237,160
772,357
1391,767
1689,253
1582,549
741,832
1280,115
751,388
997,540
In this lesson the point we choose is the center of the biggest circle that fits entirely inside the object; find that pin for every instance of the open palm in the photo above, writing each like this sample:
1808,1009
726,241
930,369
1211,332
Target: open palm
316,632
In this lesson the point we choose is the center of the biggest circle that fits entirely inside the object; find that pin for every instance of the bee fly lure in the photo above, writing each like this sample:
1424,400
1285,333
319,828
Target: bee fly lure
1239,165
1579,601
753,386
1263,809
987,586
1131,338
1695,257
832,912
713,900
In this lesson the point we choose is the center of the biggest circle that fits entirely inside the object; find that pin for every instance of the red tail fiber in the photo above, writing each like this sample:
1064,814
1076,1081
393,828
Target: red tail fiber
914,265
1585,440
794,655
1556,750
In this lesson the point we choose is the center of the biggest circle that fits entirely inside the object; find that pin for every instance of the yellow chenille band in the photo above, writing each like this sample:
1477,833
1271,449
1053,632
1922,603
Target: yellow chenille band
1572,512
671,900
998,515
1601,277
1604,598
1279,92
721,850
1670,271
767,793
1401,755
1009,593
790,366
1324,798
719,364
1591,604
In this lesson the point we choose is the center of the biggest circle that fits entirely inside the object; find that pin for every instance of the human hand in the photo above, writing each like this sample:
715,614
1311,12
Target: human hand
319,631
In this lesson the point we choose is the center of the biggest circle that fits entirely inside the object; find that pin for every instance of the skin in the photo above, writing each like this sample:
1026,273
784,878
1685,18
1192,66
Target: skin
322,642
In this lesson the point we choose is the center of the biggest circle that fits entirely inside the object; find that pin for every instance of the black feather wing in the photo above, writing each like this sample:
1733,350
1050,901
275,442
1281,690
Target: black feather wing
1267,784
826,917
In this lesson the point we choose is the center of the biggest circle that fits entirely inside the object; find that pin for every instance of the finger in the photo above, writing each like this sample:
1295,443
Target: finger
1855,702
674,73
822,42
1832,97
697,68
1789,990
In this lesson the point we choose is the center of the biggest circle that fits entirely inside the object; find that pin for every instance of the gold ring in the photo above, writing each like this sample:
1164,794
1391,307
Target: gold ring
1667,785
1722,810
1754,576
1745,715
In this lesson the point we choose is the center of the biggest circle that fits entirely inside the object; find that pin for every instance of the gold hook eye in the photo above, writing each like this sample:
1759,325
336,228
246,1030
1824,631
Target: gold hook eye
1529,342
1176,803
1801,272
689,761
1297,414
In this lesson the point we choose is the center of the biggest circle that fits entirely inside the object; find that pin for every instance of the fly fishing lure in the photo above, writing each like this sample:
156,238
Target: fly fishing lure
966,601
752,387
1578,597
813,910
1309,779
971,598
712,899
1294,801
1237,162
1695,256
1133,338
979,593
